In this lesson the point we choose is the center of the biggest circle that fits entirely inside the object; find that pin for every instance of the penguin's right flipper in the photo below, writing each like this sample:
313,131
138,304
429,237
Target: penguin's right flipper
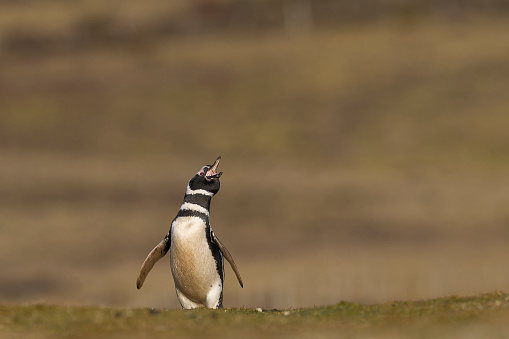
157,253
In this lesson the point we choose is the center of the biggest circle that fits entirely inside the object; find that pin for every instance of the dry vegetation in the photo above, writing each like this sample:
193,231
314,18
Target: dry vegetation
363,162
482,316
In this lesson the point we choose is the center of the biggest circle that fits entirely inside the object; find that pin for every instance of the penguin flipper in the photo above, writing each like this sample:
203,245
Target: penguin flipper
228,257
157,253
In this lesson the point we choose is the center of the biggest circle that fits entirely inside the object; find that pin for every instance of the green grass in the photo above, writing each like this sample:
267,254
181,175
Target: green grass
485,314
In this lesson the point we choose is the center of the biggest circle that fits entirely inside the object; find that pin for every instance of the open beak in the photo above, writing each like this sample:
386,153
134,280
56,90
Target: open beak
212,172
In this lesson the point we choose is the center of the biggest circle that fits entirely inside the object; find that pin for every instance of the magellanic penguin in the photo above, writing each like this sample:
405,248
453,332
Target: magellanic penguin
196,254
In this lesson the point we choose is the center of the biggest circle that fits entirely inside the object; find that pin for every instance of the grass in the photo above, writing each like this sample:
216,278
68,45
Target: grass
486,314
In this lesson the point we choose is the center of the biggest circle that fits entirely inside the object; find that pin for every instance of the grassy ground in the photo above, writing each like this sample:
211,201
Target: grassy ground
452,317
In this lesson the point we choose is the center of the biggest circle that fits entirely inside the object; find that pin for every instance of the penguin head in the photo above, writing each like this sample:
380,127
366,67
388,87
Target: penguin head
207,178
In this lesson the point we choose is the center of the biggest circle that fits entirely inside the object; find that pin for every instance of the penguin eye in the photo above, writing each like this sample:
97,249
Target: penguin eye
203,170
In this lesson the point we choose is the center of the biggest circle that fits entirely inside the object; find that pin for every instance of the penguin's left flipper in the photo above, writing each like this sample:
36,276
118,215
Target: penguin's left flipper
228,257
157,253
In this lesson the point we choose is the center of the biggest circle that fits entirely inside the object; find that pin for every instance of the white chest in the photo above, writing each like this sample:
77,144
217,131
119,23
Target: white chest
192,264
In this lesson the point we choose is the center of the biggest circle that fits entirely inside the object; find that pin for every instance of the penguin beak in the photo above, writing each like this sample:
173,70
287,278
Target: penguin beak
212,172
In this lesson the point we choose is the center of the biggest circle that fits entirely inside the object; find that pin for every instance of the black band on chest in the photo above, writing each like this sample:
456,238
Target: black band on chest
192,213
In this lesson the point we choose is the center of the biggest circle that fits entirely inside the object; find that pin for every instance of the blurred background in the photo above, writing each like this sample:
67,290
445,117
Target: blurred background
365,146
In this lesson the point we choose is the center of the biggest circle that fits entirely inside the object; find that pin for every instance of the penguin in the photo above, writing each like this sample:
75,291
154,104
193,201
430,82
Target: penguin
196,253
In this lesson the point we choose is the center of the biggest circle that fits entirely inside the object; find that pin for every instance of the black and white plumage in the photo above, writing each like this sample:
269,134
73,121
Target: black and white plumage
196,254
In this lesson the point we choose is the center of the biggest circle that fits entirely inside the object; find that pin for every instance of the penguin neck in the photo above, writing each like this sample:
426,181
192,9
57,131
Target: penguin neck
201,200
